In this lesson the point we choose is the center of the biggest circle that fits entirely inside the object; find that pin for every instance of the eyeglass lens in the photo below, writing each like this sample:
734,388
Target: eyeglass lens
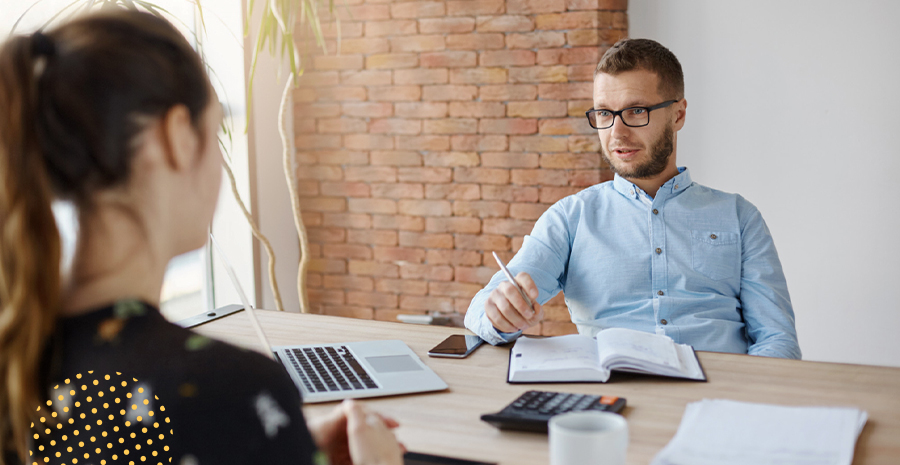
630,116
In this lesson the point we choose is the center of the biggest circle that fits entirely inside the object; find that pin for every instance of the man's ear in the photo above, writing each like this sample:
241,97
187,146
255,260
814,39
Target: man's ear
680,113
181,139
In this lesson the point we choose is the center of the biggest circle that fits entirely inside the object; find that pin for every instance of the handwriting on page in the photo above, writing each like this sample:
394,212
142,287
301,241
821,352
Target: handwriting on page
556,353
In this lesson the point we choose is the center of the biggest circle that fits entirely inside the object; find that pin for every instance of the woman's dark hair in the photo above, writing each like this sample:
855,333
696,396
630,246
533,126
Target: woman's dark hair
73,101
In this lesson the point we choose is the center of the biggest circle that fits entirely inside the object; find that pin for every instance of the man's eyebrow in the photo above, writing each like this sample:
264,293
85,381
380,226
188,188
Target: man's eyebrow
633,103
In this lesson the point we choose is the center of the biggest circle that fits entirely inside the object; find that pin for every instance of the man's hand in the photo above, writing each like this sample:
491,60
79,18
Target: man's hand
507,310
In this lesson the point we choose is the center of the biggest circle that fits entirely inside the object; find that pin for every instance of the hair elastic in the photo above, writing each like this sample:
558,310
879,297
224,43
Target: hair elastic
42,45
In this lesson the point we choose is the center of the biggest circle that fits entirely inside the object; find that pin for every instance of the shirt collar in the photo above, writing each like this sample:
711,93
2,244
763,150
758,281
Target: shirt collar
673,186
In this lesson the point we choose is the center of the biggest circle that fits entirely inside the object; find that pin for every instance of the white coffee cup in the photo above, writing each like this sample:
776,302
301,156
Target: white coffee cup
588,438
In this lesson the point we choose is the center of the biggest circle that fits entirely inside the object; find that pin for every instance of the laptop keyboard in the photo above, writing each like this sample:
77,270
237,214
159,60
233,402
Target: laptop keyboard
324,369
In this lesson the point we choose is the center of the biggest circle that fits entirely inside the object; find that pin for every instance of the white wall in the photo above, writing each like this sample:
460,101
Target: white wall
796,106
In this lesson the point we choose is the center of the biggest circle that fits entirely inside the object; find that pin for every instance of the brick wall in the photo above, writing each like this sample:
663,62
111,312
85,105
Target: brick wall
441,133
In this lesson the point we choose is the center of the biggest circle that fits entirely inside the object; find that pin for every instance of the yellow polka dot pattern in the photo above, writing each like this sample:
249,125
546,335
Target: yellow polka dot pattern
108,436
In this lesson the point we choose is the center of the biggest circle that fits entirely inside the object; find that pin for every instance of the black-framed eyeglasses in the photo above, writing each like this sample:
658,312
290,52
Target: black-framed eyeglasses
634,117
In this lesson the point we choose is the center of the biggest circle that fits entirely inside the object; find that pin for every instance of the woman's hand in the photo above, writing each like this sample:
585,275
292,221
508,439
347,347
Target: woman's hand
368,440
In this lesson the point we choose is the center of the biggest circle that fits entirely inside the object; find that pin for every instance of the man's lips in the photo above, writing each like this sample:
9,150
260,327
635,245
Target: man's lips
625,153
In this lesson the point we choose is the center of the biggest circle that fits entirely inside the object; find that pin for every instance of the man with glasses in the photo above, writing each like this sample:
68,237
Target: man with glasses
651,250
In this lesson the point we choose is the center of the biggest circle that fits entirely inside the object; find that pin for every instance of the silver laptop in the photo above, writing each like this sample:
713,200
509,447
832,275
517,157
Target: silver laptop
327,372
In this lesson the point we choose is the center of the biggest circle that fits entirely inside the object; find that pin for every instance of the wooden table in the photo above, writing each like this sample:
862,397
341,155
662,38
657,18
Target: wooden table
447,423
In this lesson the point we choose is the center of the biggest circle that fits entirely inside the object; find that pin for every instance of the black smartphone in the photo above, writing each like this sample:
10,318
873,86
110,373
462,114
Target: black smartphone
415,458
456,346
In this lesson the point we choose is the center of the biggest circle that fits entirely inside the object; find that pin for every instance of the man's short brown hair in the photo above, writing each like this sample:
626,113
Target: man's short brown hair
649,55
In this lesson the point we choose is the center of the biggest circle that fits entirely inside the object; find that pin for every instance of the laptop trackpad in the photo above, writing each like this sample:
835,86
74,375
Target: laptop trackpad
393,363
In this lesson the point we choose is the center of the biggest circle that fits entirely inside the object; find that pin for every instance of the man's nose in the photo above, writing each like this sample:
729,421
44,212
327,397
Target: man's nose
618,126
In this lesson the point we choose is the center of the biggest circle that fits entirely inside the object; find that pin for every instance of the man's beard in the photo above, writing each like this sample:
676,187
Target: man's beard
660,152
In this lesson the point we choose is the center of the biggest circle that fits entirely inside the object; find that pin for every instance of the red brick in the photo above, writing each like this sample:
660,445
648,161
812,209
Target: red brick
427,142
311,219
340,93
427,272
477,110
453,59
582,37
322,173
341,125
475,7
454,257
323,204
424,207
338,62
569,91
398,191
446,25
586,178
399,254
366,12
420,76
449,92
453,191
371,237
542,177
417,9
473,274
316,110
479,143
451,159
400,222
476,41
570,160
426,240
417,43
538,74
313,280
360,252
396,158
307,126
527,211
507,126
530,7
322,296
538,144
347,220
507,226
450,126
326,235
370,268
565,126
478,76
481,242
367,77
453,289
597,4
536,109
364,46
396,126
581,73
393,314
368,109
360,313
531,40
481,208
570,56
453,225
509,160
481,175
345,189
426,303
504,23
402,286
421,109
507,92
318,79
340,157
391,27
307,188
370,173
368,142
581,20
383,206
373,299
348,29
305,95
507,58
584,144
392,61
426,175
305,141
555,194
576,108
395,93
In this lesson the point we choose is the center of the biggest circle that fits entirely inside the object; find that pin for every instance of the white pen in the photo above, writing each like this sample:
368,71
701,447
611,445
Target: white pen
509,277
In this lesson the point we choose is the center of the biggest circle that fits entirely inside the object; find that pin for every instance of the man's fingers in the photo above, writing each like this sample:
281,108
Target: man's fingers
496,317
515,300
524,280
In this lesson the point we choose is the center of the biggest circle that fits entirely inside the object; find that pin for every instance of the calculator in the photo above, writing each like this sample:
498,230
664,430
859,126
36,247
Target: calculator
533,409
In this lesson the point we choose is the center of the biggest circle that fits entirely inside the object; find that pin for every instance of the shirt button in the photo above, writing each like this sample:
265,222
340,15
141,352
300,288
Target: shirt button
655,211
713,236
658,251
660,293
663,321
676,186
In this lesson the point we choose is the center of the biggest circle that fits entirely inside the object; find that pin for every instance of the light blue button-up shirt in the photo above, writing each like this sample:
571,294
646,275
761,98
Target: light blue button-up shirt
693,263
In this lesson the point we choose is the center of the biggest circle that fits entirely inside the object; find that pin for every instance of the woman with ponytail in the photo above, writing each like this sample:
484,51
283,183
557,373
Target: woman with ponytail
114,114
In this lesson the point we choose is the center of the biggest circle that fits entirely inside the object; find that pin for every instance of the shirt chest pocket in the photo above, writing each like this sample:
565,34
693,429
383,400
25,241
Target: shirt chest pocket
715,254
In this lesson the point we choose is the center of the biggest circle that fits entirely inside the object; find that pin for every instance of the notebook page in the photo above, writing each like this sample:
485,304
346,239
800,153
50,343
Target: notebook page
618,343
573,351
